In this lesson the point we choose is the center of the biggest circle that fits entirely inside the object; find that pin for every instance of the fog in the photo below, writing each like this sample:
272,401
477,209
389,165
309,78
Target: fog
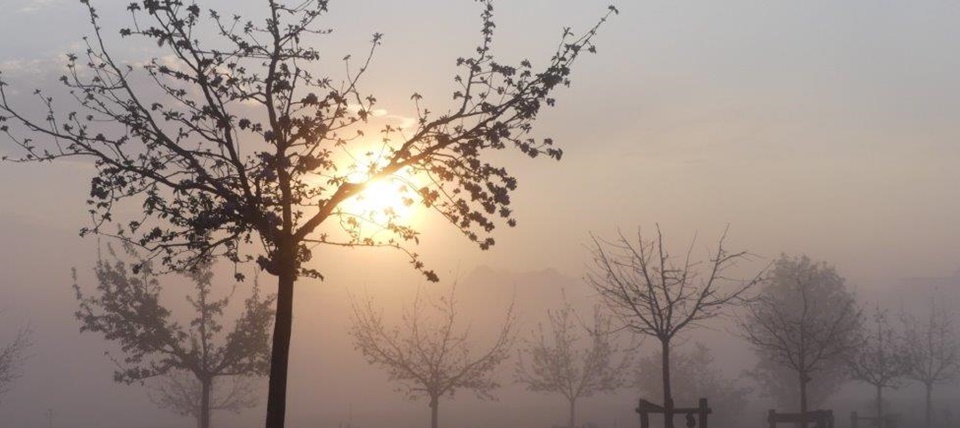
819,128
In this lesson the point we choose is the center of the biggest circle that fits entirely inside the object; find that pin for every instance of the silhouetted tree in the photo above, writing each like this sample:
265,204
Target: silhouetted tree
932,352
804,319
427,355
879,360
12,358
180,392
126,309
695,375
564,360
657,295
233,139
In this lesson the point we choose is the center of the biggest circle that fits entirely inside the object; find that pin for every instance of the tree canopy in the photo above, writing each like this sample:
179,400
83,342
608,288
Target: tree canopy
428,353
932,351
127,309
234,138
657,294
12,358
805,319
573,358
880,359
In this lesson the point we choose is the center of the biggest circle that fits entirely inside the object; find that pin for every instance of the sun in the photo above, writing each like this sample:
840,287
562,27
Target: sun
384,201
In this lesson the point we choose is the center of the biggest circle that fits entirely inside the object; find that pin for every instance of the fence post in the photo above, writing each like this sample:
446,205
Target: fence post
771,418
703,413
854,420
644,416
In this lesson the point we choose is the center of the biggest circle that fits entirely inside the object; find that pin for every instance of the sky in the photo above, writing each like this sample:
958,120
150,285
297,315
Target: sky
822,128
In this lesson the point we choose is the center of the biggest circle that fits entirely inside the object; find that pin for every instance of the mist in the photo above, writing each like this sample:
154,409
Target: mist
814,129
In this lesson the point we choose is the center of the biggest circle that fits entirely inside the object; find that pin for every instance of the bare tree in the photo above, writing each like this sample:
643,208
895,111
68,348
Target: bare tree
126,309
426,353
879,360
12,357
932,352
233,139
564,360
657,295
778,382
695,375
180,392
804,319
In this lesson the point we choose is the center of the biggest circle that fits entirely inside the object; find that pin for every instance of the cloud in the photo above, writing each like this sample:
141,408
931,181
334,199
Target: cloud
25,66
384,116
31,6
32,69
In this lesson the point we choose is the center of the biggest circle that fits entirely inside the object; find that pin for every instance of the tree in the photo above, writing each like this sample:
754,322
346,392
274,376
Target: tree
879,360
126,308
779,382
12,358
560,361
932,352
804,318
427,355
695,375
180,392
656,295
233,139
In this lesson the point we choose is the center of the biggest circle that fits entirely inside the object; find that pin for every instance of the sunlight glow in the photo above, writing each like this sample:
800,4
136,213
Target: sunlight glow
385,200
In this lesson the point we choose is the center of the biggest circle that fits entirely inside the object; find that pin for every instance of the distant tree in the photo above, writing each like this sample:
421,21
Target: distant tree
180,392
804,319
231,138
695,375
879,360
573,359
12,357
657,295
426,353
778,382
932,352
126,308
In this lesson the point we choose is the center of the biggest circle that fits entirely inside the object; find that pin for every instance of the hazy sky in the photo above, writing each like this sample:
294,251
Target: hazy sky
820,127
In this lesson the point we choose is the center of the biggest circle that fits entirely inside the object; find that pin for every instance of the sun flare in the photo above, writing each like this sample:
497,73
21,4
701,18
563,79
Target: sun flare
383,201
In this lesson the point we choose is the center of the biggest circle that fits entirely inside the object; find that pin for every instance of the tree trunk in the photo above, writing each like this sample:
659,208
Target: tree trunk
277,393
205,390
667,393
434,406
880,406
803,398
929,409
573,413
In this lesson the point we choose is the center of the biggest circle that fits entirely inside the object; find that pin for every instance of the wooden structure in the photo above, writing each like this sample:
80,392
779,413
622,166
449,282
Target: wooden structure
887,421
696,416
814,418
